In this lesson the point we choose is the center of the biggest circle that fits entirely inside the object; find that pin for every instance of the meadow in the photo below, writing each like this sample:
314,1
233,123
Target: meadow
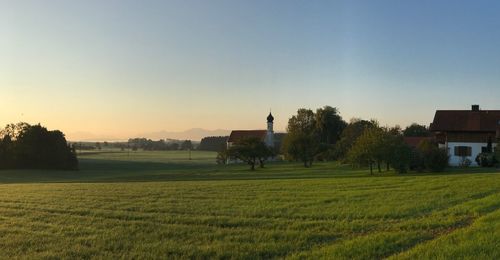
166,205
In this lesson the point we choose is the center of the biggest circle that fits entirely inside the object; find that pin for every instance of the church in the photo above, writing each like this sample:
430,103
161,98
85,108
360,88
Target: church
267,136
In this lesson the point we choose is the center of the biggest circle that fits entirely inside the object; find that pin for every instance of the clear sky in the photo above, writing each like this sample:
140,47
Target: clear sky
119,68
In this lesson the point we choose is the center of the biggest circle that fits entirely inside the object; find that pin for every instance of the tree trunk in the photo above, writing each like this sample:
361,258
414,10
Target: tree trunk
378,166
388,166
261,162
371,168
252,166
305,164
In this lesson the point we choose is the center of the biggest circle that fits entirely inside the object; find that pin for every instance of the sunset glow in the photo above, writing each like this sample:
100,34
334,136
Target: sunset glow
117,69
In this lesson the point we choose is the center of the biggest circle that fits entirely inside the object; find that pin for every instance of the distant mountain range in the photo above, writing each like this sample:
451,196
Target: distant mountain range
91,137
194,134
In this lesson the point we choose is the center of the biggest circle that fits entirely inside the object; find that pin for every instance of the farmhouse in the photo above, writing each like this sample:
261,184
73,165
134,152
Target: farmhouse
466,133
267,136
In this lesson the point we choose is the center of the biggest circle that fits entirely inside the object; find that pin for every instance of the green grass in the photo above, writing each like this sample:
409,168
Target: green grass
162,205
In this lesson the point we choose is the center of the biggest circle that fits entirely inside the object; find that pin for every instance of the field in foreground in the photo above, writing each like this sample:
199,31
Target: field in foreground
152,205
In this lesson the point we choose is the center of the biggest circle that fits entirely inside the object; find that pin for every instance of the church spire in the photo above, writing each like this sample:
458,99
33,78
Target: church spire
270,133
270,117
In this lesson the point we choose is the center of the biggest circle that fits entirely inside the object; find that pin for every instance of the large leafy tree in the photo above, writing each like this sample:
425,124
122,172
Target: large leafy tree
329,124
350,134
396,153
302,141
251,151
301,146
368,148
416,130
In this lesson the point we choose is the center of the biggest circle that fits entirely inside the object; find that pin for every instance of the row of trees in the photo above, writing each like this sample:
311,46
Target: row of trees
213,143
160,145
324,135
24,146
377,146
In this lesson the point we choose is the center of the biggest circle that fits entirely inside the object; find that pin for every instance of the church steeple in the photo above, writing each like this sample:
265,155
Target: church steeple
270,118
270,131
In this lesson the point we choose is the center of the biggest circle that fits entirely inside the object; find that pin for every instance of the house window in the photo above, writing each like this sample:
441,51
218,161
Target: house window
463,151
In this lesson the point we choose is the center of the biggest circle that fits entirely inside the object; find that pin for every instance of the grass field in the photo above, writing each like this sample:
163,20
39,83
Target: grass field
163,205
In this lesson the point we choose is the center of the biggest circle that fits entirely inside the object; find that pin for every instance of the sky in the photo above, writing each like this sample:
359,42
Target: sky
119,68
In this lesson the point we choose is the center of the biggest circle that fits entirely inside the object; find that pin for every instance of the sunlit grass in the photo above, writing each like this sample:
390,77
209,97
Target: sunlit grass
147,207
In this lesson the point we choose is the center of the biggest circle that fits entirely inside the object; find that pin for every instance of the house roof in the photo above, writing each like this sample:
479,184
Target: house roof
466,121
237,135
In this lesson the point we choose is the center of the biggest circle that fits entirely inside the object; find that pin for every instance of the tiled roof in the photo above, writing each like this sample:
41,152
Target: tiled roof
466,121
237,135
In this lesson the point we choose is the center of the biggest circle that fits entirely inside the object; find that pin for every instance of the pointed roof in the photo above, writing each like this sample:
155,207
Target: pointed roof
270,118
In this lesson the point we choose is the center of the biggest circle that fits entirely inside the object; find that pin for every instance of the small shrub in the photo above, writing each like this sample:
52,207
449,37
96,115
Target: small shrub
486,159
437,160
465,162
417,161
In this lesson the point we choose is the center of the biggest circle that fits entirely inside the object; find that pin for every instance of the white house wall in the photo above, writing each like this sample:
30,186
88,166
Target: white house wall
476,149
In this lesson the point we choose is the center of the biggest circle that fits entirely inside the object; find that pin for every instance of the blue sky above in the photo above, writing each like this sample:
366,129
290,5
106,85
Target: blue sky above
126,67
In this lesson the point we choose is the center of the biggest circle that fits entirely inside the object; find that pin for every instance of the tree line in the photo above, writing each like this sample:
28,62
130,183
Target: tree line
323,135
24,146
160,145
213,143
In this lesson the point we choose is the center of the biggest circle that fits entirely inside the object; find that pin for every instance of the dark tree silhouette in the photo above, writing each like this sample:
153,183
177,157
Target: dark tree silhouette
416,130
213,143
34,147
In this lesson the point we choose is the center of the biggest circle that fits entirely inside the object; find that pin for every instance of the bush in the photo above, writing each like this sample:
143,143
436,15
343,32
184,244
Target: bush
436,160
465,162
417,161
431,157
486,159
400,157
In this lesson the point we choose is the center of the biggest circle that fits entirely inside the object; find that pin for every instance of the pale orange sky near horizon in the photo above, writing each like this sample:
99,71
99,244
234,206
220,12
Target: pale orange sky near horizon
119,69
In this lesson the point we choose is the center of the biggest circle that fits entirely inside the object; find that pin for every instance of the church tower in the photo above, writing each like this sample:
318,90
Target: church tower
270,132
